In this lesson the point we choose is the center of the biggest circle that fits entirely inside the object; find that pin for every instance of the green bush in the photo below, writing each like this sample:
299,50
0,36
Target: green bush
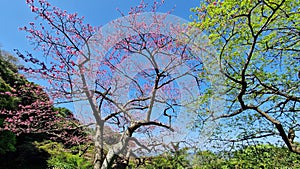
264,156
172,160
62,158
255,157
7,142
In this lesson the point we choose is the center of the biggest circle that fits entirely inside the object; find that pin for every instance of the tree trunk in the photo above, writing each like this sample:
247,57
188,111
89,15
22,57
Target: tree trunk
99,148
116,149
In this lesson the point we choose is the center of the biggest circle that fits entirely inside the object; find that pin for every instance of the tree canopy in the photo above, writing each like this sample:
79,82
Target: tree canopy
257,46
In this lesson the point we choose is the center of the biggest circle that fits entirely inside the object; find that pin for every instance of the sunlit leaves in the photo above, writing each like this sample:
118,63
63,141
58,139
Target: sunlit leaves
257,43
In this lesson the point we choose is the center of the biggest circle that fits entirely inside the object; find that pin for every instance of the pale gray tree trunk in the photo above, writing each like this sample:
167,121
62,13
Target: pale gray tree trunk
116,149
99,148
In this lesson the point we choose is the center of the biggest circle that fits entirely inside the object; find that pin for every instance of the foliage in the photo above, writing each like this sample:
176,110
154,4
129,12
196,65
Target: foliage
208,160
257,46
6,82
7,138
177,159
7,142
26,156
62,158
255,156
167,161
264,156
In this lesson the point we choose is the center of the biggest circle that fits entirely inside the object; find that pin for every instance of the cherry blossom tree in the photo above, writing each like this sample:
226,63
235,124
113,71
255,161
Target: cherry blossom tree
137,76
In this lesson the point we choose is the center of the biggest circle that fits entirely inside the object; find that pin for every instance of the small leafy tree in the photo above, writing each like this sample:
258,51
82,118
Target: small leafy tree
257,46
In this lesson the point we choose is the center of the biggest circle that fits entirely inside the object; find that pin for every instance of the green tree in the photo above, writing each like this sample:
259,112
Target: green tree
257,46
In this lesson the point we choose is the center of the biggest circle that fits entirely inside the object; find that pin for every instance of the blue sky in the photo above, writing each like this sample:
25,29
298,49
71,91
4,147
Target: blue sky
15,13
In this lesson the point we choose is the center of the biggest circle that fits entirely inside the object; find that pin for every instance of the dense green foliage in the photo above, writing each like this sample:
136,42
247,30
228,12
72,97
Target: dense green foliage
207,160
7,138
63,158
256,156
177,159
7,141
264,156
26,156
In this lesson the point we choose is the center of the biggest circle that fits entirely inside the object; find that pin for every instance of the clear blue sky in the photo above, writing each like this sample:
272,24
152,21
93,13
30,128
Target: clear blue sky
15,13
